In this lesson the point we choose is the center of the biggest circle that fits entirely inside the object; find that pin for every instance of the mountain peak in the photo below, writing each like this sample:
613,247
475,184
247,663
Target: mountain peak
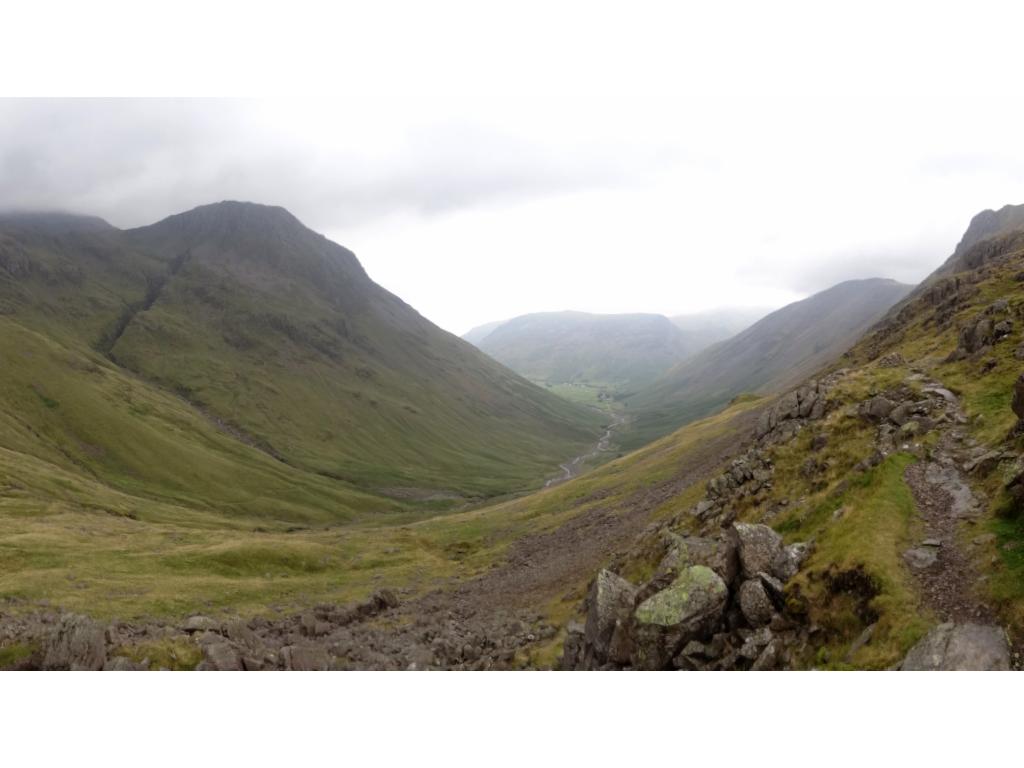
232,217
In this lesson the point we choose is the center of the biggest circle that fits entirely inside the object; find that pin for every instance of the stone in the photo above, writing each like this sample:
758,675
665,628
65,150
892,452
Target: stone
573,647
201,624
685,610
755,603
977,335
121,664
758,546
985,538
985,463
755,642
901,414
963,647
877,408
770,657
910,429
240,633
609,606
718,554
919,558
818,442
305,658
942,392
789,560
862,639
78,644
220,657
1002,329
1017,404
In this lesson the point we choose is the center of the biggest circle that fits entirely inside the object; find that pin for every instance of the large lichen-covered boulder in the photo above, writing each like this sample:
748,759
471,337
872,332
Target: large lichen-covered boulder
609,605
759,548
78,644
965,647
718,554
685,610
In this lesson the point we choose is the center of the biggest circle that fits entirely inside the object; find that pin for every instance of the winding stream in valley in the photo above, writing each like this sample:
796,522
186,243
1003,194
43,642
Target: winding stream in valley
574,468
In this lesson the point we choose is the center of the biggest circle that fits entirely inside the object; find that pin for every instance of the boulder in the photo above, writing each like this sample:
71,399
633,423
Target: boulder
755,603
1018,397
718,554
78,643
967,647
789,560
877,408
609,605
201,624
758,547
685,610
977,335
220,657
305,658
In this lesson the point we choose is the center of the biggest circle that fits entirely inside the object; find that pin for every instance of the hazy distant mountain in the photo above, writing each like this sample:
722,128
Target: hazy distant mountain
703,329
778,350
623,351
476,335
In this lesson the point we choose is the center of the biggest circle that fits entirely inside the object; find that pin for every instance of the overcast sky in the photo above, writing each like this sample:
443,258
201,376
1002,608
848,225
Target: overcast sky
593,161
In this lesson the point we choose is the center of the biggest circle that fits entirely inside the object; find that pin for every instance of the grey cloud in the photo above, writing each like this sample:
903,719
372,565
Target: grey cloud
133,161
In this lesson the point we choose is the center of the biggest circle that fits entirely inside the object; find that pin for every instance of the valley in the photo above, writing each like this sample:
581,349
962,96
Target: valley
223,446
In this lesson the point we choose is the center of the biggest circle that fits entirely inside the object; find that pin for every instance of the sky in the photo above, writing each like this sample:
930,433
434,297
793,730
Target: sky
662,159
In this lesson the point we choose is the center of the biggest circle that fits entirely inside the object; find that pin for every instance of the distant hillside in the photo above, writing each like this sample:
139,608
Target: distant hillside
624,352
782,348
186,357
703,329
475,335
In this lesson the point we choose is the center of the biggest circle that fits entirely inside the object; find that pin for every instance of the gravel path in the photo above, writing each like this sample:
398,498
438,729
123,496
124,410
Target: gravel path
947,577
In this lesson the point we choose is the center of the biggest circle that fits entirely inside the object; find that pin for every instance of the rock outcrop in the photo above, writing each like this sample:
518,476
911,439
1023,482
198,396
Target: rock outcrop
77,644
713,603
965,647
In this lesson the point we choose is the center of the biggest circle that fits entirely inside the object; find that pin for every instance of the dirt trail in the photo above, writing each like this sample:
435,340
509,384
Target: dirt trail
945,572
487,617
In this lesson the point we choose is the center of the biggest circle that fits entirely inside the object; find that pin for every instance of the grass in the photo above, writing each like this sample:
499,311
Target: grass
175,654
12,654
76,543
875,527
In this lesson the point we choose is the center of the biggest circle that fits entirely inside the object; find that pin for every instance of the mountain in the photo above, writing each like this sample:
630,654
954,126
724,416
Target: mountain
703,329
884,495
475,335
237,320
622,352
984,225
773,353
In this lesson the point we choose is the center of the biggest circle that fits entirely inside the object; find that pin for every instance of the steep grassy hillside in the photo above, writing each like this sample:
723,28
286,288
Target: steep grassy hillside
85,545
777,351
277,338
907,483
623,352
